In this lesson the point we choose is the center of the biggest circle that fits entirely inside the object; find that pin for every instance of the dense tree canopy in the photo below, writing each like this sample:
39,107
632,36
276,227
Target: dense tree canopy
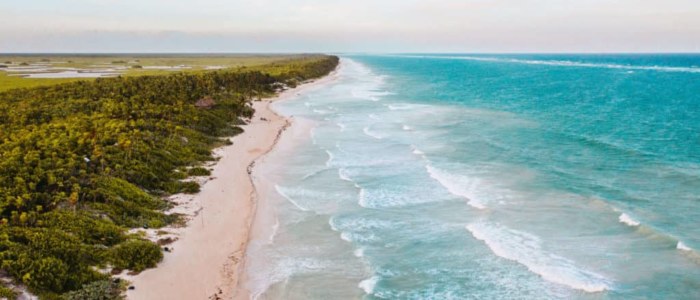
82,162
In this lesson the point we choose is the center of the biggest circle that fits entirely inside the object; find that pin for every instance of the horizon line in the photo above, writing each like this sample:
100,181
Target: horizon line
345,53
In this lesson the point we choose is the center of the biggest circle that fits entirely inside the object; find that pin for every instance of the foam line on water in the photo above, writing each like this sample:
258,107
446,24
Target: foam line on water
683,247
283,270
314,172
330,158
417,151
342,174
359,252
404,106
626,219
281,190
525,249
458,185
370,133
275,228
362,199
565,63
369,284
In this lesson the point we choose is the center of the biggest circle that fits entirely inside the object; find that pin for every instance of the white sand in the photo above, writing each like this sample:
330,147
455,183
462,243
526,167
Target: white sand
206,260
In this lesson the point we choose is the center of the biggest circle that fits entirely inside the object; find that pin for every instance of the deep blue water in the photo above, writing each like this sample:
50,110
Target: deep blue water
490,177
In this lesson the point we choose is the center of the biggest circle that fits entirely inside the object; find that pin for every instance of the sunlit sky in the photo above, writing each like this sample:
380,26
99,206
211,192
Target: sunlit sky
350,26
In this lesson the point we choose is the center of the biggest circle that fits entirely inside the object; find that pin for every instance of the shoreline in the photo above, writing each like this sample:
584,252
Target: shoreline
207,258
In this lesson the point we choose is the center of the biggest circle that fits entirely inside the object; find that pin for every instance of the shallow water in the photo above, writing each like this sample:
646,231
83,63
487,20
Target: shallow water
70,74
487,177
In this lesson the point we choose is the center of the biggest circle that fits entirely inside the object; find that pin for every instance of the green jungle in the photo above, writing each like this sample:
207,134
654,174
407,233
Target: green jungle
83,162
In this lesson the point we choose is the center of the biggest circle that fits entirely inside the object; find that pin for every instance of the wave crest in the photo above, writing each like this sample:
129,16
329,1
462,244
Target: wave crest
525,249
458,185
626,219
568,63
369,284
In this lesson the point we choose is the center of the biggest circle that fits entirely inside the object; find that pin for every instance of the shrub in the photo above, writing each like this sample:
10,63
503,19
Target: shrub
137,67
198,171
136,255
89,228
48,272
98,290
189,187
7,293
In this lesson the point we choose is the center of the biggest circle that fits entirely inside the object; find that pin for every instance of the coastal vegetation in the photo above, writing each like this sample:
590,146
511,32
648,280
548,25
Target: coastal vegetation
151,64
83,162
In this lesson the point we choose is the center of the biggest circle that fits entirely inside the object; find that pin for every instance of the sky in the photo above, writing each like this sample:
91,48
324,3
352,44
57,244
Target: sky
466,26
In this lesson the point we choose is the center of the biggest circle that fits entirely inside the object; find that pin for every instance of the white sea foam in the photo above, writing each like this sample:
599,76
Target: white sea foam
330,158
314,172
312,134
362,199
275,228
359,230
525,249
346,236
359,252
626,219
566,63
458,185
369,284
416,151
342,173
360,224
368,94
284,193
370,133
683,247
406,127
392,196
341,126
282,270
402,106
358,237
321,111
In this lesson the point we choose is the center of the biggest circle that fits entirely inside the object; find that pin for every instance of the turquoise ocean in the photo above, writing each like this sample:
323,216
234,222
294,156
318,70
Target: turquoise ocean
486,177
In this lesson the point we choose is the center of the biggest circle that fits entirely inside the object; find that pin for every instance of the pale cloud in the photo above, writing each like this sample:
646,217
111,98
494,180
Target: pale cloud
357,25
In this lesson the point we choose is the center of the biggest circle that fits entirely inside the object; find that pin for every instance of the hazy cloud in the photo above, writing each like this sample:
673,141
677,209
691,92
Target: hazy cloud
357,25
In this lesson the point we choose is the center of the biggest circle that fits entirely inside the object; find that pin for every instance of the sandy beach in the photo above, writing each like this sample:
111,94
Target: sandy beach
206,259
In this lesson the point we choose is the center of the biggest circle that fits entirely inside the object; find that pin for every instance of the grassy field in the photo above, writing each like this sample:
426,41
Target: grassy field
127,62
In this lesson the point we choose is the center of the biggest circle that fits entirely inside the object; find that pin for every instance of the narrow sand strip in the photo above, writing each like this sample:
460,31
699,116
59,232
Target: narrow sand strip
206,260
